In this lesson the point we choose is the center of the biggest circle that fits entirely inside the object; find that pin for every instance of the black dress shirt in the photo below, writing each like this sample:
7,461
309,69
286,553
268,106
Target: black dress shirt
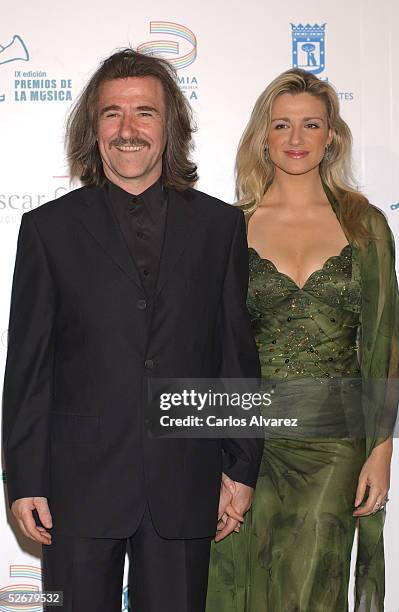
142,221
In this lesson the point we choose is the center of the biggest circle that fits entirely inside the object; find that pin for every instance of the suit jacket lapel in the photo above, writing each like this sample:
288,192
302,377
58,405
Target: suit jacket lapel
96,216
180,223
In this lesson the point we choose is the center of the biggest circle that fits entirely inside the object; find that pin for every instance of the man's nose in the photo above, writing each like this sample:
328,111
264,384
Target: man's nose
128,126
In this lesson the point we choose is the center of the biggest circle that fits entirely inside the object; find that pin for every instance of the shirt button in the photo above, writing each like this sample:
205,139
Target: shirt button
149,364
140,235
145,272
135,199
141,304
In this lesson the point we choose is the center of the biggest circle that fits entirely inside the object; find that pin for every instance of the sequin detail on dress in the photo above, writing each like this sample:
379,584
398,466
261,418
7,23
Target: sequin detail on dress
308,331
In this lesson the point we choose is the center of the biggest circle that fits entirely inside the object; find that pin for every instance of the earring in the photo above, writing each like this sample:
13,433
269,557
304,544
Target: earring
327,153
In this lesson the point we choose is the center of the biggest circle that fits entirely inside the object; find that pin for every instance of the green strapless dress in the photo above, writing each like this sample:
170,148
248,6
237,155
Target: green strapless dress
293,552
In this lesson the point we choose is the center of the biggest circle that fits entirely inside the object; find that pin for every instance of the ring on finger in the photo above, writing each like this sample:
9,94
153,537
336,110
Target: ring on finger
378,507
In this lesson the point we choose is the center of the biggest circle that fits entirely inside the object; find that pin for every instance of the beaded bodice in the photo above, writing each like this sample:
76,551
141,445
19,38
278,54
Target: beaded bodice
309,331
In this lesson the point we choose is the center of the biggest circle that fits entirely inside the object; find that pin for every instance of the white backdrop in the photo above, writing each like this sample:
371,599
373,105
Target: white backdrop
226,52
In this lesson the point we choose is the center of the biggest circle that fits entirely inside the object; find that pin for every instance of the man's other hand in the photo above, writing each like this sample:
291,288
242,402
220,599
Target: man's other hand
235,501
22,510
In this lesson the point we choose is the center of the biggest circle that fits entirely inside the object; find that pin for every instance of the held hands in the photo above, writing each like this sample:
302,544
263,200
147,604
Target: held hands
22,510
235,500
375,474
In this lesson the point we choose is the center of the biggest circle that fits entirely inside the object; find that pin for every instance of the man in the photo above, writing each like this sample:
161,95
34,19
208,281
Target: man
135,275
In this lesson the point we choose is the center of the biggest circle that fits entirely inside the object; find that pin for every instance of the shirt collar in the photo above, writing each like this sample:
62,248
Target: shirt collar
153,197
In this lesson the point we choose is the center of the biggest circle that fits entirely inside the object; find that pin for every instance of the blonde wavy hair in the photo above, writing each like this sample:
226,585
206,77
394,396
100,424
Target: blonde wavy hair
255,170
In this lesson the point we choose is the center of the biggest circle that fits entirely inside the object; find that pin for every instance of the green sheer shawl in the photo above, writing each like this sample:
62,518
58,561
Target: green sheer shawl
379,364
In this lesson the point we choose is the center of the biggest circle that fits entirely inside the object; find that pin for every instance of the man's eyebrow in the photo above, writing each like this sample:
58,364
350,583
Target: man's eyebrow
111,107
115,107
151,109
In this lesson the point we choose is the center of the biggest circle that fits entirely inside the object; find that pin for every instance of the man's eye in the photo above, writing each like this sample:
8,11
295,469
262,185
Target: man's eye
111,115
145,114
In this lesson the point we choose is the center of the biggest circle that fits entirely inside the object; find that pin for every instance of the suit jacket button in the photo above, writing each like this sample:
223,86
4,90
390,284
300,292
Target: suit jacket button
141,304
149,364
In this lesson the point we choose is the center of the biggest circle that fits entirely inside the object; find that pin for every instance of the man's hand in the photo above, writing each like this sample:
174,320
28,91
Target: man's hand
235,501
227,489
22,510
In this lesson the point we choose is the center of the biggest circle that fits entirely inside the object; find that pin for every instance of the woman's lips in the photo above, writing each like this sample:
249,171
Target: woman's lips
296,154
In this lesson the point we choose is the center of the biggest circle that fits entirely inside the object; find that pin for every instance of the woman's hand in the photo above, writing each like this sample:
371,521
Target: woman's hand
375,475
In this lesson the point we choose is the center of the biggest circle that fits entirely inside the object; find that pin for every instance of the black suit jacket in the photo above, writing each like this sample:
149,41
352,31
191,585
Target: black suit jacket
83,340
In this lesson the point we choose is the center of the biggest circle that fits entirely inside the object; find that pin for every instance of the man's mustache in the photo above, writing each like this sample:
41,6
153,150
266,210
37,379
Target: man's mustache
129,142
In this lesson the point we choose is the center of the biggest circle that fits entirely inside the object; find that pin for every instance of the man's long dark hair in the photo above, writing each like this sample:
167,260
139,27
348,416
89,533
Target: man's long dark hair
85,163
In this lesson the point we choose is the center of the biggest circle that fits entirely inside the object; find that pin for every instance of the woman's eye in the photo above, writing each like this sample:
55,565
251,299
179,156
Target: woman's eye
312,125
279,126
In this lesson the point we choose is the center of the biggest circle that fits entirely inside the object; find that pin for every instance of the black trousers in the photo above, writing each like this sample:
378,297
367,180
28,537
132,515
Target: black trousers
164,575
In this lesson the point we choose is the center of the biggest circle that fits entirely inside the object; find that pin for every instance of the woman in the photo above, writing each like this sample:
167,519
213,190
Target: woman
324,305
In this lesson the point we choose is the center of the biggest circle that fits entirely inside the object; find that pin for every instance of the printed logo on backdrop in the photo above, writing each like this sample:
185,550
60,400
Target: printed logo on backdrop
395,206
309,52
32,572
13,205
29,572
308,49
125,599
180,53
14,51
33,85
4,338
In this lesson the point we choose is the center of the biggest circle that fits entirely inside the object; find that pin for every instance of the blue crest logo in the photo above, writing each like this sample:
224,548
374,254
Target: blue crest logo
308,48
